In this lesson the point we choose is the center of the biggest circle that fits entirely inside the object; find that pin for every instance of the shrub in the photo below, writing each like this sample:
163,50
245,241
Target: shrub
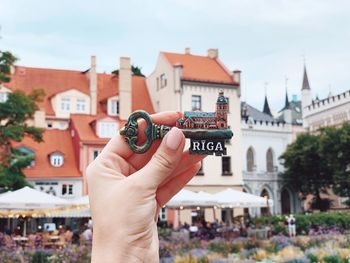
332,259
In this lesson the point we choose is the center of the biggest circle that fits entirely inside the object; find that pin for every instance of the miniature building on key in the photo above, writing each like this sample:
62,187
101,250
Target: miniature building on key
208,131
206,120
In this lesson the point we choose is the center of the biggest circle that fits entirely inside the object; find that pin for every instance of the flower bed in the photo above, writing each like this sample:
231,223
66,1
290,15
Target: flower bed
323,248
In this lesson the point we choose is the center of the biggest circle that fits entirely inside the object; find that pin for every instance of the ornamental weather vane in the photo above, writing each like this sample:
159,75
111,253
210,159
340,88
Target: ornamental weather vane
207,131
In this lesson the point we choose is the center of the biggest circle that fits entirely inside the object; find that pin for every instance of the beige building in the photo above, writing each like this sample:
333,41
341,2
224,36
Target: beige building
187,82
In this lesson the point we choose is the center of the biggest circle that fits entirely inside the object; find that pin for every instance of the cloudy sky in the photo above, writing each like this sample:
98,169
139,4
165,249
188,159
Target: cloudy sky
267,40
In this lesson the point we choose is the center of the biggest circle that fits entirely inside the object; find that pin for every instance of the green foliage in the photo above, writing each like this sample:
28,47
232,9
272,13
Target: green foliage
6,61
135,70
335,145
312,258
304,222
316,163
40,257
332,259
304,169
14,116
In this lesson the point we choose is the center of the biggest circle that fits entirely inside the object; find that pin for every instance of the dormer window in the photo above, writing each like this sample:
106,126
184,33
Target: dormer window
106,129
56,159
3,96
81,105
65,104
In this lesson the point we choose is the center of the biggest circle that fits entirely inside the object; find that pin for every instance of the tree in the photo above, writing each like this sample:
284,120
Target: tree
135,70
15,113
335,149
305,170
6,62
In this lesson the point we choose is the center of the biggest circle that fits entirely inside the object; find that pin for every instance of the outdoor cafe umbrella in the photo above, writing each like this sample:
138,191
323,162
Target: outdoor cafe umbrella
237,199
186,198
28,201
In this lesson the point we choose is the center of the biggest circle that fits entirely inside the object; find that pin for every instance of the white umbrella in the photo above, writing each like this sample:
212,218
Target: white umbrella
233,198
184,198
84,200
29,199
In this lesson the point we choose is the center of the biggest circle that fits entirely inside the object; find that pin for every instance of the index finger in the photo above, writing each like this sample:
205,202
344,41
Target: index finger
117,144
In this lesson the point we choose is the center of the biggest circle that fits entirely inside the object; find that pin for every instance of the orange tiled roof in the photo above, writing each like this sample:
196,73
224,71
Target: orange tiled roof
82,125
200,68
54,81
54,141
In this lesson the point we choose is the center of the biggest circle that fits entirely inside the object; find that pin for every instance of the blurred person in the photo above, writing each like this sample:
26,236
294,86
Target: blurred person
291,226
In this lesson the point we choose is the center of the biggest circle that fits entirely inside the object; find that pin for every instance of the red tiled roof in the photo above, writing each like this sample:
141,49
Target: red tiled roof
54,141
200,68
82,125
54,81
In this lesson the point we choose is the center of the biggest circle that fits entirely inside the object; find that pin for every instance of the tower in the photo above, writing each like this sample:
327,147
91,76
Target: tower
221,111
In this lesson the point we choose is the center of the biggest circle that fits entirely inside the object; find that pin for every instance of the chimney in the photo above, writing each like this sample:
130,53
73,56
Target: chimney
187,51
237,76
213,53
93,86
124,88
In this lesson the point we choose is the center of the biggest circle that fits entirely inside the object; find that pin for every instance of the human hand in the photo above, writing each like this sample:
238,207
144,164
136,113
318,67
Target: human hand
126,191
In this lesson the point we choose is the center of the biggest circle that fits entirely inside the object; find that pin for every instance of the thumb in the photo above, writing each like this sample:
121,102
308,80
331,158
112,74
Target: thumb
164,160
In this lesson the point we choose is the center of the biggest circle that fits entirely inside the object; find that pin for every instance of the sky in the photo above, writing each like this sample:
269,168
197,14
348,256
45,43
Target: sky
268,40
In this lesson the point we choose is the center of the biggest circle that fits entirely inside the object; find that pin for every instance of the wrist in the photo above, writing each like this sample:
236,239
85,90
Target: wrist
123,248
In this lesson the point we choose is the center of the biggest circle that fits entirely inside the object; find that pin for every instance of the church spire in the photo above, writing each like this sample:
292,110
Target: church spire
306,85
267,107
286,102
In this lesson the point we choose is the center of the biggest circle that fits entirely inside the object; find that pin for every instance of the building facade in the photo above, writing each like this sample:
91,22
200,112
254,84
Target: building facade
81,111
187,82
264,140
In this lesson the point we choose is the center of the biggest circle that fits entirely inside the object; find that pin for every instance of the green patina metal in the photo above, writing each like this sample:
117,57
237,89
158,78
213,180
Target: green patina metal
154,132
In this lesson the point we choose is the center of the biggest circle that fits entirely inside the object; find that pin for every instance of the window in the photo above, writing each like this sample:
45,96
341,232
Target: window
95,153
81,105
162,214
226,165
196,102
200,171
107,129
49,125
163,81
114,108
67,189
65,104
250,160
3,96
269,160
56,159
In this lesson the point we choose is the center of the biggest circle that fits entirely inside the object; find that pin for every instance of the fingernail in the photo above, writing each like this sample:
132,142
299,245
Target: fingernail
173,138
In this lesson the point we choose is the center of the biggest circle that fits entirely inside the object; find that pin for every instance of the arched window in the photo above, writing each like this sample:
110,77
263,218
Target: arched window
56,159
265,211
269,160
250,160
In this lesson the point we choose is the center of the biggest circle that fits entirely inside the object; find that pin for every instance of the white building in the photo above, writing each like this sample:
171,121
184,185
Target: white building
331,111
187,82
264,140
